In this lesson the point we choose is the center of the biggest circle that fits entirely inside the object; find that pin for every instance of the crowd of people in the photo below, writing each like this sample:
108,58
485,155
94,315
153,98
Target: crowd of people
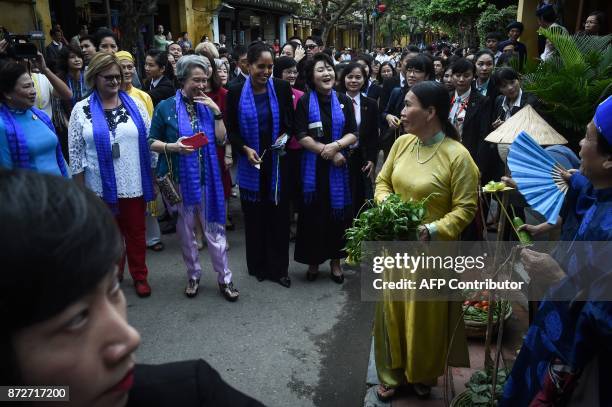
303,127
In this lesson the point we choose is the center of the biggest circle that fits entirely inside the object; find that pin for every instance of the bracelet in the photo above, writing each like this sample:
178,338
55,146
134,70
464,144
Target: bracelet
339,145
218,116
229,156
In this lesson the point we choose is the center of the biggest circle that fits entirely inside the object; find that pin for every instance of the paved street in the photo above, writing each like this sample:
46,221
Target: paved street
303,346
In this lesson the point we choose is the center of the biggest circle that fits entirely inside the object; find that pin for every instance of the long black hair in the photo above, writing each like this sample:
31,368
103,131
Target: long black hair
434,94
59,240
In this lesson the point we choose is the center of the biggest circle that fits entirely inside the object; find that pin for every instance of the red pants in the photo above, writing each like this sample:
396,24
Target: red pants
131,222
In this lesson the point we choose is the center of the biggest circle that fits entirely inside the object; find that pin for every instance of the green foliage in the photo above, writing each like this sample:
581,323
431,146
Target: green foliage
391,23
392,219
574,80
494,20
480,387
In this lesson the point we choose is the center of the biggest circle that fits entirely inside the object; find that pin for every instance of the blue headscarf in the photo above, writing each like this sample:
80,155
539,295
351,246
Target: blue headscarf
103,149
248,175
191,174
18,145
339,191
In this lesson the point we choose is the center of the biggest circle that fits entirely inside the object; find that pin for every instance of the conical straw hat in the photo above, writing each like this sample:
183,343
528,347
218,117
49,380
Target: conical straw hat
527,120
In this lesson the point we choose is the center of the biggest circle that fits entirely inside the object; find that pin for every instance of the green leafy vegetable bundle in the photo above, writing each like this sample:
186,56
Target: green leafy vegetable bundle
480,387
392,219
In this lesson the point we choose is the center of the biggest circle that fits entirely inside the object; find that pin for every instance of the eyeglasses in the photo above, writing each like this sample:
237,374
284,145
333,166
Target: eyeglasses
311,46
291,72
111,78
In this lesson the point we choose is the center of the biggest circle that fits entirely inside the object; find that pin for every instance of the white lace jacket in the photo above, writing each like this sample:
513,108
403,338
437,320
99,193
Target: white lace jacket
83,155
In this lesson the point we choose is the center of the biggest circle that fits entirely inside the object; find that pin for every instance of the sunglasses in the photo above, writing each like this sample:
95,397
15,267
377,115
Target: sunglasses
311,46
111,78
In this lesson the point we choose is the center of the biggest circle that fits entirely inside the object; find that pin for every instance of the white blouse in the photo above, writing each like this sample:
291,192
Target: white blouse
84,157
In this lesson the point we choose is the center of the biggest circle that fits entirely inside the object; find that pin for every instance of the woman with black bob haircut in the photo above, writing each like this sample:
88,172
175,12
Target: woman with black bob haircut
362,158
416,69
325,126
62,247
372,89
427,162
260,115
160,82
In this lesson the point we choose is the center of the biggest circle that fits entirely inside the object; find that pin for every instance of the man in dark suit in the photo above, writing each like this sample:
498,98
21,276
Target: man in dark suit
242,68
52,51
396,81
514,30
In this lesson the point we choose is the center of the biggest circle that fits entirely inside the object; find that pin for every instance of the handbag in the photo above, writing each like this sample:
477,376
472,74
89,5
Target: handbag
167,186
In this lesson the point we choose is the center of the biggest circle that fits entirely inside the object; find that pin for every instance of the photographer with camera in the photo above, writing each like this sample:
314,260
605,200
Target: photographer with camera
18,48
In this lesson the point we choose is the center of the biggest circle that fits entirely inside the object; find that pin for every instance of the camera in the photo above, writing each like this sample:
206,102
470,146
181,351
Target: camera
20,46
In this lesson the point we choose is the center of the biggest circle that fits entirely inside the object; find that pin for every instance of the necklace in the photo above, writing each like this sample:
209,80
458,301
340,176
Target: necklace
431,156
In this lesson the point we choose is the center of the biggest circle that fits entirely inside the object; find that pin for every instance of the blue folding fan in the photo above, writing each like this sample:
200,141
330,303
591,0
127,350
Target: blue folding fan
538,176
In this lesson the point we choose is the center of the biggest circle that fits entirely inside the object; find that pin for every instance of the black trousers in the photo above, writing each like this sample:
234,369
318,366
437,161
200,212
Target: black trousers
266,228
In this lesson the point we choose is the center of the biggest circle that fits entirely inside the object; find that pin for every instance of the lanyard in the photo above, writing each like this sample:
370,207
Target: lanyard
78,92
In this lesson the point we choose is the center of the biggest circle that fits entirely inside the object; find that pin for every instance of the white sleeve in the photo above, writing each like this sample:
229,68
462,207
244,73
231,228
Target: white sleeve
76,142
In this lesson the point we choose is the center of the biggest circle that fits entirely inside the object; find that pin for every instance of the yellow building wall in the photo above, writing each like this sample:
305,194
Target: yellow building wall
193,16
18,16
526,15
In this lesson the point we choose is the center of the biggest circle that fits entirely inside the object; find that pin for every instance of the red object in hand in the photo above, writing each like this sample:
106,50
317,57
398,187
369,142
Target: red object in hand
198,140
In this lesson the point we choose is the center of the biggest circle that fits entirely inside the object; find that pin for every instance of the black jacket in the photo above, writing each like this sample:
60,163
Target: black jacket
240,78
164,89
368,129
285,104
374,92
385,92
190,383
526,99
476,128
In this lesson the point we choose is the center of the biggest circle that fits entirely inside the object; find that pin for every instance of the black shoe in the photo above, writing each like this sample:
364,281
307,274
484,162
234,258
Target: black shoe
193,285
229,292
285,281
337,279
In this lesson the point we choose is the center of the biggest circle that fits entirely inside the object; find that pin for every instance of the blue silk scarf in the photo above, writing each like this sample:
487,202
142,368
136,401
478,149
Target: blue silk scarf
339,190
101,136
190,172
18,145
248,175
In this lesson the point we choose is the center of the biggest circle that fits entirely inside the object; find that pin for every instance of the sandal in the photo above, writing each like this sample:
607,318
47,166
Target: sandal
386,394
157,247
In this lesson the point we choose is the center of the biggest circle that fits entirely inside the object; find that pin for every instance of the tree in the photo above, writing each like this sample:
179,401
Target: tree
394,24
453,15
494,20
132,14
328,13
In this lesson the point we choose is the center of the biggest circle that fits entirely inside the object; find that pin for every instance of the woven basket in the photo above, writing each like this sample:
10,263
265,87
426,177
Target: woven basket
462,399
